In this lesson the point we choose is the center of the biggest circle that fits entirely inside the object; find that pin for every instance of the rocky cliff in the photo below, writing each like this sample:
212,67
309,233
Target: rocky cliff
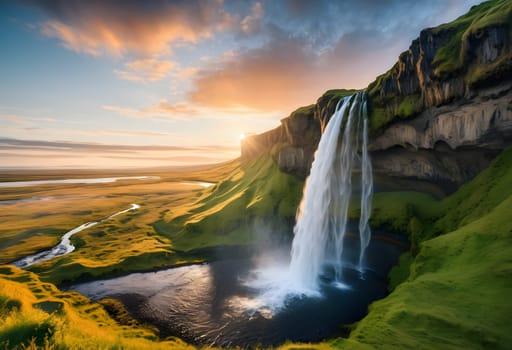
440,114
444,64
293,143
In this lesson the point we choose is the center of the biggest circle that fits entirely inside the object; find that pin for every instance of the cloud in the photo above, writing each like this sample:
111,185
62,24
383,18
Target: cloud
145,70
277,55
252,23
18,119
45,154
95,27
10,144
285,74
310,47
161,110
185,73
166,111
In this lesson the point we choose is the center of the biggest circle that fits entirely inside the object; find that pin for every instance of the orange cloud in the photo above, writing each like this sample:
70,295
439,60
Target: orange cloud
144,70
94,27
285,73
278,77
163,109
185,73
252,23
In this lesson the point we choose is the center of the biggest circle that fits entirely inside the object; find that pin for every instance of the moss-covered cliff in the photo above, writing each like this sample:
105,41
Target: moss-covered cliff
440,114
446,63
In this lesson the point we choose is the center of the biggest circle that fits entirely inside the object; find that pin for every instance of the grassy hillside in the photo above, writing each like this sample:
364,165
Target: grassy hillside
454,292
255,197
36,315
450,292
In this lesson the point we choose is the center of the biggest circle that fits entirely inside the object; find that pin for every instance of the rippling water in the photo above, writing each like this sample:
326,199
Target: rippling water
210,304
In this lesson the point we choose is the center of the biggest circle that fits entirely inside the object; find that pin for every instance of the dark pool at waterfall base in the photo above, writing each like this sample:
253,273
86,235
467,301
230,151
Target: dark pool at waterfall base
209,304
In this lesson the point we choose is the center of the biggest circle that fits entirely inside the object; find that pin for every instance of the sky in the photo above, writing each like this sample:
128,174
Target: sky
112,83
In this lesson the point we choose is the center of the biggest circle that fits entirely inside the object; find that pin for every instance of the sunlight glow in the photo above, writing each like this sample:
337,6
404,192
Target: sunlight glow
242,136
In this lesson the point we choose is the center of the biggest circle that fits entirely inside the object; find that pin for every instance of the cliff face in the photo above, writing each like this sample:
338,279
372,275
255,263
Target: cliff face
447,145
444,64
294,142
440,114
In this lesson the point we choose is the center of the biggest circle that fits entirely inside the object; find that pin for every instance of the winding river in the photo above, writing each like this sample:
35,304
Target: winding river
65,246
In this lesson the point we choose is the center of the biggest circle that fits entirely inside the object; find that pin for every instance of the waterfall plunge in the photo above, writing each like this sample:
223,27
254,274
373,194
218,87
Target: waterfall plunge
322,216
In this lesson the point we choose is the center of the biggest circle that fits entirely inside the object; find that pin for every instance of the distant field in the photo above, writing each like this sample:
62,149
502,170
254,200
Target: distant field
34,218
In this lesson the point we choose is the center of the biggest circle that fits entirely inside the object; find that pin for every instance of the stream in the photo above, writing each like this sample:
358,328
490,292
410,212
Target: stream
65,246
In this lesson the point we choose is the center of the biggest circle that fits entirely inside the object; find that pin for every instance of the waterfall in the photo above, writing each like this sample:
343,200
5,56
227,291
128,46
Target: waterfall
308,249
323,212
366,192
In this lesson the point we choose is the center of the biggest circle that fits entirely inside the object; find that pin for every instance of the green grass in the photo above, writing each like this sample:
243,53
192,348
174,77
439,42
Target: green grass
454,291
76,324
255,195
456,296
449,61
305,110
120,245
330,98
450,292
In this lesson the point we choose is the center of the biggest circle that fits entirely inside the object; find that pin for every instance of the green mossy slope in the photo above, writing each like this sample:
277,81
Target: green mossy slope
255,195
456,291
473,51
36,315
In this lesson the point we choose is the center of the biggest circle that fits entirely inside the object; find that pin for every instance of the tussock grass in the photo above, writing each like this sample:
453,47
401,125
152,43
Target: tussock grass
453,291
80,324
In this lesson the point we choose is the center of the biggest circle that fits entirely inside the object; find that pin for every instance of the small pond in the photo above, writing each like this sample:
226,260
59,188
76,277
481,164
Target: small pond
211,304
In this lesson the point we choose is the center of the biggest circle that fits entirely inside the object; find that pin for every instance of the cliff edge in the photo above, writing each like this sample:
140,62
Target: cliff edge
440,114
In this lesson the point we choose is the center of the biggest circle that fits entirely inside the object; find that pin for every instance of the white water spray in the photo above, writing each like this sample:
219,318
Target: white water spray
366,192
323,212
308,250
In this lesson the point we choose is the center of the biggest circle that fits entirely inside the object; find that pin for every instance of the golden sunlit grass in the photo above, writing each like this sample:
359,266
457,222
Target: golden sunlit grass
125,243
37,313
450,292
254,197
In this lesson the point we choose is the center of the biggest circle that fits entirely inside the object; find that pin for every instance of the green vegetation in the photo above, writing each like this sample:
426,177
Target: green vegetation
409,106
76,324
176,223
336,94
453,58
449,59
330,98
453,291
253,197
305,110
